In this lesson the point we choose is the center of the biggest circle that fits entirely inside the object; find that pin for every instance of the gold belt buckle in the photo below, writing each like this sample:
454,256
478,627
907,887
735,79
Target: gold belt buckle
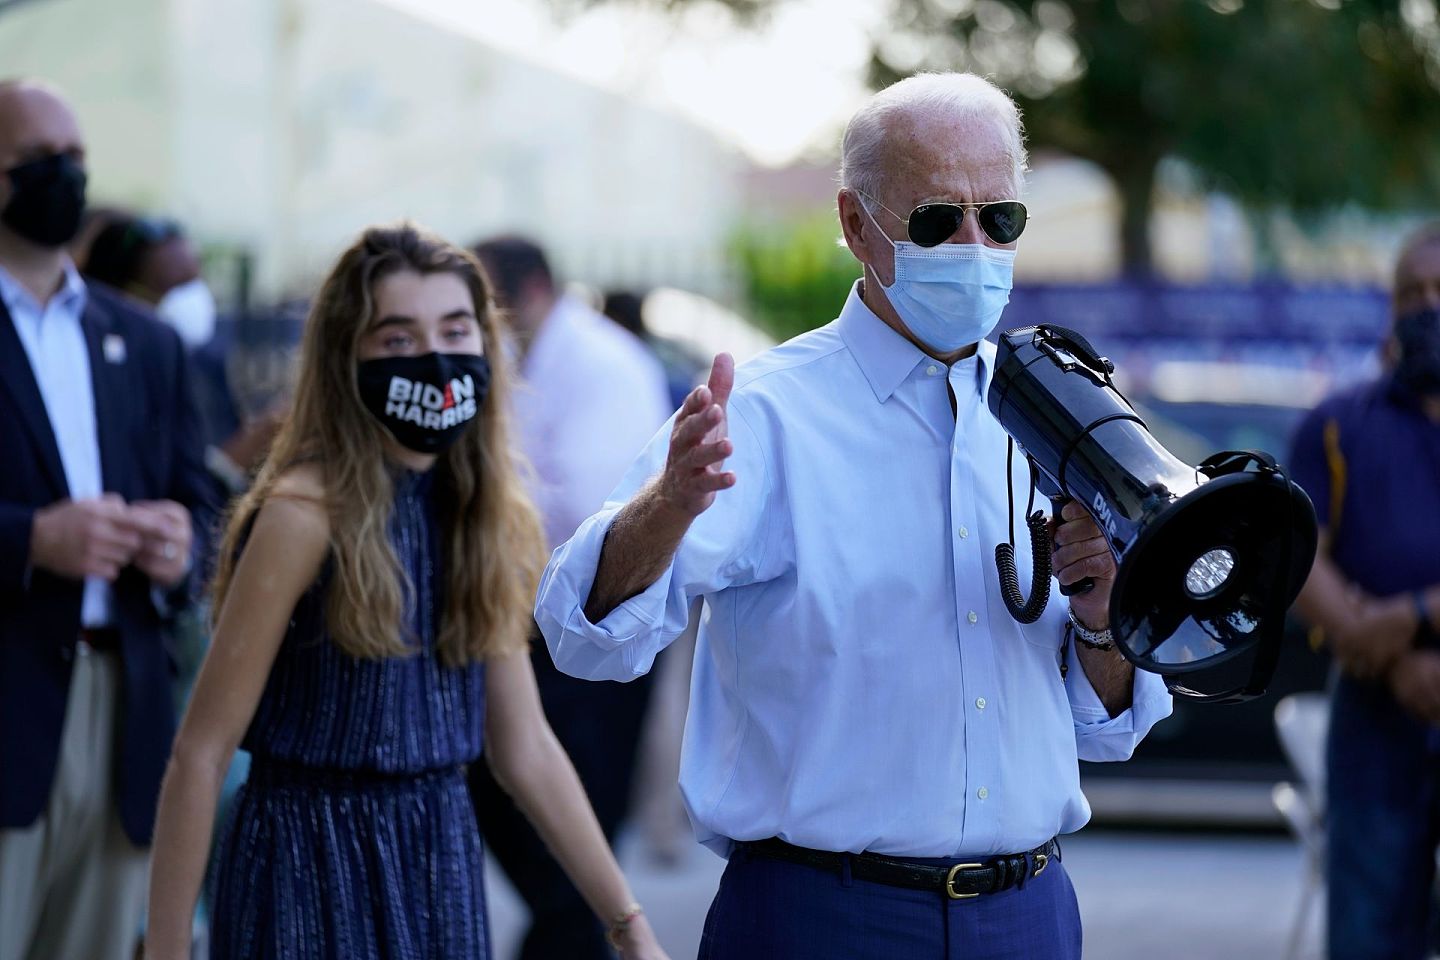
950,881
1042,860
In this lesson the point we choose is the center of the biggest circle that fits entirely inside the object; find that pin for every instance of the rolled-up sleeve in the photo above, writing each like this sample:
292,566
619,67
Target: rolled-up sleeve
725,546
1101,737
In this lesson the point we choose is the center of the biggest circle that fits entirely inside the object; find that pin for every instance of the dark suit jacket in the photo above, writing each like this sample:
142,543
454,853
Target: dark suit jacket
150,449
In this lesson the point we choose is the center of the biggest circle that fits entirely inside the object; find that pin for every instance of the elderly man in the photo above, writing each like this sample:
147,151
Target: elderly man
102,461
1371,458
882,752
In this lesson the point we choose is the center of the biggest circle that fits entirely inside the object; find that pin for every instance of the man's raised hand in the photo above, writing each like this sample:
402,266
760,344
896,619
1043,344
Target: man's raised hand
699,444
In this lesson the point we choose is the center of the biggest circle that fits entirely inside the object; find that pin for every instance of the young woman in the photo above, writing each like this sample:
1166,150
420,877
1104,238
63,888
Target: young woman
374,602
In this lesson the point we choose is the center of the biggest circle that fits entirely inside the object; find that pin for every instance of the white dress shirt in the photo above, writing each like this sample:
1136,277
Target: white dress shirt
591,395
859,683
54,341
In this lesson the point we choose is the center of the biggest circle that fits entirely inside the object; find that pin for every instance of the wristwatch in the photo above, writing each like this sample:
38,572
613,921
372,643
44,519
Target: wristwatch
1094,639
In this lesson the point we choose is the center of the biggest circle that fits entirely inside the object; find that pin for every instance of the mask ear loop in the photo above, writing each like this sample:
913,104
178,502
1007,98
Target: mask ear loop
1023,610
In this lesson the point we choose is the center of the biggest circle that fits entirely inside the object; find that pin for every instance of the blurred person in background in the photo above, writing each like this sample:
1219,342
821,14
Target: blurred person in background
683,370
1370,459
372,639
659,810
884,755
155,261
104,465
590,397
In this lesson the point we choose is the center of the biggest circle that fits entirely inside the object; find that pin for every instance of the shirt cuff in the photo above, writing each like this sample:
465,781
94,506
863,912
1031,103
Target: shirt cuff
1101,737
616,648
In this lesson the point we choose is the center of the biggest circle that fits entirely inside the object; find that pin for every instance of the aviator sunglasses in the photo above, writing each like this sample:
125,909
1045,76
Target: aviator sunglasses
931,224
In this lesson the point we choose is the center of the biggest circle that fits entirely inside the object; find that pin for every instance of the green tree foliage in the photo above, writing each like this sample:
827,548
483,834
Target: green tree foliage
1301,104
795,276
1307,104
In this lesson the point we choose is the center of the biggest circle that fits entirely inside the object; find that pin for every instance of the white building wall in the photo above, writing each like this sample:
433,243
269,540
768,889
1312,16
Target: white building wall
286,126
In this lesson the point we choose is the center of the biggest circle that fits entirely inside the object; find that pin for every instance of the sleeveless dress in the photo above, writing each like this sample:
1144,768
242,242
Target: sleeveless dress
354,837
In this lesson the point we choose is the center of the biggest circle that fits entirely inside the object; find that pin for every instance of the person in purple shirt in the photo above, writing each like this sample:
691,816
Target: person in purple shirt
1370,458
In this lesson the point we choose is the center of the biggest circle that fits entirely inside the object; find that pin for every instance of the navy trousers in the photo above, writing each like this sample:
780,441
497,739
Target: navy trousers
1384,826
776,910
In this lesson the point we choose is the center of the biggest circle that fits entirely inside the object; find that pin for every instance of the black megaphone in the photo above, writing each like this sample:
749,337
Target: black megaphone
1209,557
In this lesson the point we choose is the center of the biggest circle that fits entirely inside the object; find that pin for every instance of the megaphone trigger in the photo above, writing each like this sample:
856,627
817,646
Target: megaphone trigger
1079,587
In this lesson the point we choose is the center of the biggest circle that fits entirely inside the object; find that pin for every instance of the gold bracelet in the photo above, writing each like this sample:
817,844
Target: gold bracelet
621,923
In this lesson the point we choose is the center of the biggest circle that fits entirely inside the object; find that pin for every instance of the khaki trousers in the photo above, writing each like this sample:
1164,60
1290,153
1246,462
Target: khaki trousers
72,885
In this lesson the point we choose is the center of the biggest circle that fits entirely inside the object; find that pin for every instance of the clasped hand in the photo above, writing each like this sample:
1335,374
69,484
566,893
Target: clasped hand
99,537
1082,551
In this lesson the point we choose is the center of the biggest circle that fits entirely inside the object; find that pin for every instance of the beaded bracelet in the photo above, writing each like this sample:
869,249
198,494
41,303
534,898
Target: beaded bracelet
621,923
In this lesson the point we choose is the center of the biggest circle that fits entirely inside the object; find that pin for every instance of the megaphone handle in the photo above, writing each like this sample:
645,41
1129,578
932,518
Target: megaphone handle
1057,503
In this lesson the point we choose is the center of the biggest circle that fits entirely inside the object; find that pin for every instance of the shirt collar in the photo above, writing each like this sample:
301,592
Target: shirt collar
885,357
71,295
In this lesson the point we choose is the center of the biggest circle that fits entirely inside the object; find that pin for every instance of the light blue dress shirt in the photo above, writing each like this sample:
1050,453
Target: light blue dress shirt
858,684
54,341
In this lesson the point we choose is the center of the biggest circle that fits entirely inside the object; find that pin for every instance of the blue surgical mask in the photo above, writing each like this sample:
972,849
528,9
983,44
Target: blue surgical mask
950,295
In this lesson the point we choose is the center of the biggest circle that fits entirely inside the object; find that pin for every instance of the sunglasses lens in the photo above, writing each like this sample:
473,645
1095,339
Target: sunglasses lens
934,223
1003,221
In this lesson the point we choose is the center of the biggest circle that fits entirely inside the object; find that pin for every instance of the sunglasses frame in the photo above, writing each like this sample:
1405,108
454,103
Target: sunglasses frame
962,207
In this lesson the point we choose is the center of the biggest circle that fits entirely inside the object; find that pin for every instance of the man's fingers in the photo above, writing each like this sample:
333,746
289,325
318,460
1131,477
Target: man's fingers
1071,531
694,427
1095,567
1068,554
697,399
702,456
722,378
712,482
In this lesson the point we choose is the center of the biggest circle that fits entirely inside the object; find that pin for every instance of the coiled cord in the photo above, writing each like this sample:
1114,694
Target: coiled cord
1026,611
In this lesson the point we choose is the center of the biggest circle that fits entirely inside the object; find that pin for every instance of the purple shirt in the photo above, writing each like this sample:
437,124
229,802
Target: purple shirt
1387,539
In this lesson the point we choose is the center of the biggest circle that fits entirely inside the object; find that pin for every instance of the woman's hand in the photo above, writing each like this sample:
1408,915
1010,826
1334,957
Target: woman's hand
637,942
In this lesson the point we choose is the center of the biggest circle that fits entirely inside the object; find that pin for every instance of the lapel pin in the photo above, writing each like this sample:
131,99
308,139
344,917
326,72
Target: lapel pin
113,346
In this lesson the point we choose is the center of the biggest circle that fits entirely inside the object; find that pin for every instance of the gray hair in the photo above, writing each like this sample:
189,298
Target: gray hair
961,96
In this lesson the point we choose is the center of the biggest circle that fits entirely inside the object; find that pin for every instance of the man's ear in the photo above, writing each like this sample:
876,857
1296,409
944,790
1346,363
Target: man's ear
853,224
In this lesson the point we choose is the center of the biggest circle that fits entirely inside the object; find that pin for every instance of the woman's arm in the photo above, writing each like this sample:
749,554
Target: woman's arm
287,545
533,768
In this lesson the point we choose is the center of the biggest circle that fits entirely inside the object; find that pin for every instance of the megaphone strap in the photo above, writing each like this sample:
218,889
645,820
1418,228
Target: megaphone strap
1233,461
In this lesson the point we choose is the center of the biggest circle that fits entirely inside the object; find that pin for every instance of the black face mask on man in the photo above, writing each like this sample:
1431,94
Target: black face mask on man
425,402
1418,334
47,197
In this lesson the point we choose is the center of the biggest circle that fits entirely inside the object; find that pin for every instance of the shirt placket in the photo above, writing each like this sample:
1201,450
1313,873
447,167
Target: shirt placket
978,679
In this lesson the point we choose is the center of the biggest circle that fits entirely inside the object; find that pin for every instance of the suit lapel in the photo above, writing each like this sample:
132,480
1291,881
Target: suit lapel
109,359
18,380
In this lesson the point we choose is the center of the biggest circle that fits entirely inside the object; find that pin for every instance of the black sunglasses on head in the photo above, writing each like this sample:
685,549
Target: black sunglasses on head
931,224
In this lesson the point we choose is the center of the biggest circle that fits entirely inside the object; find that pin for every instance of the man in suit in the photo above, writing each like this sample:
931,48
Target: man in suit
102,464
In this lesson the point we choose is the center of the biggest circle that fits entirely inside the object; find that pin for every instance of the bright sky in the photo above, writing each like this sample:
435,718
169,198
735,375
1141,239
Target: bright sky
776,90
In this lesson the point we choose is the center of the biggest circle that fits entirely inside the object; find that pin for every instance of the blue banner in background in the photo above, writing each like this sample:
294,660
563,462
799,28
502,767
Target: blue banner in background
1130,310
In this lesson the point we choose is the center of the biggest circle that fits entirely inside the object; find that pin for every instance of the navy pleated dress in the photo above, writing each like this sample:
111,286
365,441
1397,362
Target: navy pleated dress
354,837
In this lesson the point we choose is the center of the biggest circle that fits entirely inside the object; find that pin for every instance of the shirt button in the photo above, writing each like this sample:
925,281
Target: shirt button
964,532
972,616
980,703
932,369
982,793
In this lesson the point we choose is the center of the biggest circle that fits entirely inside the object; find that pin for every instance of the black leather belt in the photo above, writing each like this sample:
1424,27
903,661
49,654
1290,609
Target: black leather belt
958,881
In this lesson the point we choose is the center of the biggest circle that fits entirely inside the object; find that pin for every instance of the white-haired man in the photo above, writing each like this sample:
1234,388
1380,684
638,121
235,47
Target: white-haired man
882,752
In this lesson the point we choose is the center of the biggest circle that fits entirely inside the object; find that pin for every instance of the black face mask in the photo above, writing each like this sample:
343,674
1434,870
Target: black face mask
425,402
46,201
1418,334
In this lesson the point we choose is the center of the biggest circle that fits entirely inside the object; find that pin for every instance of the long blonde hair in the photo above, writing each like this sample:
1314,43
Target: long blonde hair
493,547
